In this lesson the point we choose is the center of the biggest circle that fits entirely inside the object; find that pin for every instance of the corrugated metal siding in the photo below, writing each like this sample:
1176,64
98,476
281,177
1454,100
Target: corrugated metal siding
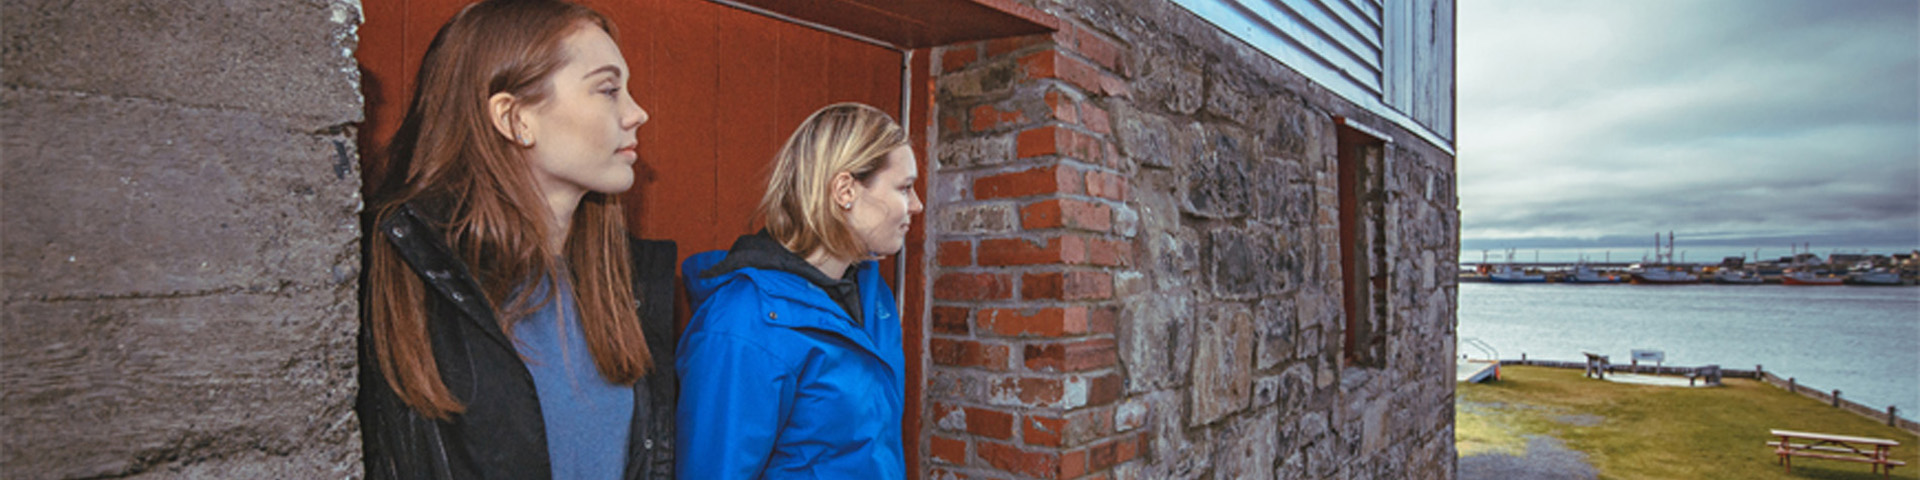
1394,57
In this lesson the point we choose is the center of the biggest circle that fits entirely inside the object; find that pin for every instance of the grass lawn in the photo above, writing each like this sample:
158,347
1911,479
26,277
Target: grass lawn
1639,431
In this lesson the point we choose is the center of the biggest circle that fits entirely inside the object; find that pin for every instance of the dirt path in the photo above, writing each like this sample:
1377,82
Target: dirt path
1546,459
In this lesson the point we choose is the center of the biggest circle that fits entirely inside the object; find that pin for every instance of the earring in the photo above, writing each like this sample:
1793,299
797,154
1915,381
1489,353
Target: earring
847,206
517,138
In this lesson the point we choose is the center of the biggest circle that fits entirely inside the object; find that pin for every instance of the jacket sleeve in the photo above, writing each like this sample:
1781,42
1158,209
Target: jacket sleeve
734,396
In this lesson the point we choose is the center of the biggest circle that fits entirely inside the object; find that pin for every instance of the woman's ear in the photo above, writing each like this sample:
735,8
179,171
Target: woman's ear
843,191
502,109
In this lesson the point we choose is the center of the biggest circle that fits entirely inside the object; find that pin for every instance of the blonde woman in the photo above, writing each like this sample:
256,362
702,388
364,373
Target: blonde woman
791,367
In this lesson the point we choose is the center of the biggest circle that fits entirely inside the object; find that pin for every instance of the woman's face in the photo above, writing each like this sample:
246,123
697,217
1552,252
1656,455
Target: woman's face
883,208
584,133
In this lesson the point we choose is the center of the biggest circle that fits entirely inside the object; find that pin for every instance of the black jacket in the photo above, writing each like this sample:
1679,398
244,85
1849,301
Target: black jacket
502,434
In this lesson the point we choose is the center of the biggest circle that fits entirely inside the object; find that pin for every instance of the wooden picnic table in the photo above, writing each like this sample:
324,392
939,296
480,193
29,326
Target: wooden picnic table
1876,451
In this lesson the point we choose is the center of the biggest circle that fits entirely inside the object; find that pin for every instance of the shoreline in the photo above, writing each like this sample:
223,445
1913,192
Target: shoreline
1891,415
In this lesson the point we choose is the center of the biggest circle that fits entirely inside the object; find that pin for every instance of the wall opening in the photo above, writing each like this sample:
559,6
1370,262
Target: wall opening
1363,258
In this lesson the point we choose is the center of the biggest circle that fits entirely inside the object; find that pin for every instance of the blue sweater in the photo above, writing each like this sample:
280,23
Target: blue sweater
588,419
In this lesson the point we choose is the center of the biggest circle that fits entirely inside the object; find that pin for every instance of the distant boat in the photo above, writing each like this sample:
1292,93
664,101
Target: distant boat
1735,276
1663,275
1876,277
1806,278
1662,272
1585,274
1508,274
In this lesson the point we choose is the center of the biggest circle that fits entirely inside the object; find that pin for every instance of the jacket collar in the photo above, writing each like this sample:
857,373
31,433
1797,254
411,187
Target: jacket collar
418,237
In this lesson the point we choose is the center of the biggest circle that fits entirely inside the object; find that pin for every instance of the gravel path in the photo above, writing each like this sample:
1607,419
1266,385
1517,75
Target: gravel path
1546,459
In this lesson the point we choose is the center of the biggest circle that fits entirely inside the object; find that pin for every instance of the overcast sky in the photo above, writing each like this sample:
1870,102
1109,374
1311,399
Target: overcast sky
1591,123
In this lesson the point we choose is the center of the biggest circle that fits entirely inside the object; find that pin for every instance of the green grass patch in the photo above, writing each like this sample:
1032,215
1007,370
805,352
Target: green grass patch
1641,431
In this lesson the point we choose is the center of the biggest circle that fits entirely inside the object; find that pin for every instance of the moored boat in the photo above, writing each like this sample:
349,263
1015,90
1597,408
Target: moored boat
1809,279
1507,274
1876,277
1585,274
1735,276
1663,275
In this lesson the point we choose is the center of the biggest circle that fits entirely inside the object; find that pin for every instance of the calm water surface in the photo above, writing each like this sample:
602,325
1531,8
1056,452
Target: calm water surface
1864,341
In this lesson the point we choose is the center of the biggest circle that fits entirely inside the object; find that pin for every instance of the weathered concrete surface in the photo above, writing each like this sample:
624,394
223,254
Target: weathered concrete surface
287,59
179,188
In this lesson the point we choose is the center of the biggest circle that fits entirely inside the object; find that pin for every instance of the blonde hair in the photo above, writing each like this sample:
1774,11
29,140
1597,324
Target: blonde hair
798,208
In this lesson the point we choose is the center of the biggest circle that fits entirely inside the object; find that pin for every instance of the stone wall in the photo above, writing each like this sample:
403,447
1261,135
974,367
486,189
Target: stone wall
180,247
1138,264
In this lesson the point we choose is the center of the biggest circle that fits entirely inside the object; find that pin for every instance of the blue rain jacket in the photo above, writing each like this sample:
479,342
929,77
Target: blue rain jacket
777,381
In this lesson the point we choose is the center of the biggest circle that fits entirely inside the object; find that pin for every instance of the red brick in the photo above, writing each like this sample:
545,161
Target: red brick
1063,107
988,117
1035,286
1104,390
1096,119
1038,181
1112,253
1087,285
1051,63
1072,356
1012,459
949,450
1042,431
954,254
964,353
958,57
952,320
1073,464
951,124
1102,320
1065,249
945,474
1067,213
1096,47
1041,322
990,423
1107,185
1038,391
1057,140
973,286
1002,46
1100,456
1129,448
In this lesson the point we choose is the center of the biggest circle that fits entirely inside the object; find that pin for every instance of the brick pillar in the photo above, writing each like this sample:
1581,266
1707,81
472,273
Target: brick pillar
1033,236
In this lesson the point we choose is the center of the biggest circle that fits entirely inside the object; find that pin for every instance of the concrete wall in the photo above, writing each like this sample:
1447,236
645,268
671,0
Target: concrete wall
179,196
1138,273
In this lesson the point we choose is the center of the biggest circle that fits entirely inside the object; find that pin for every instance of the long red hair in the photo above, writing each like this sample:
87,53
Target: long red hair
447,153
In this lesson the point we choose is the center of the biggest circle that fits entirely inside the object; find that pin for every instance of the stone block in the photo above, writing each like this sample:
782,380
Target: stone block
1146,138
1157,340
109,388
1247,446
1169,79
1234,267
1217,186
979,218
992,78
107,197
975,151
1274,323
1229,94
1174,257
283,59
1222,363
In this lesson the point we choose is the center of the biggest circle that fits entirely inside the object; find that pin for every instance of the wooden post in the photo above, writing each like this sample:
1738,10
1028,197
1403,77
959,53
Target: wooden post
1892,421
1792,386
1836,397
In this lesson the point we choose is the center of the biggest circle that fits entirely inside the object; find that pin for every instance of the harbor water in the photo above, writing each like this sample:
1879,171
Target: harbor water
1863,341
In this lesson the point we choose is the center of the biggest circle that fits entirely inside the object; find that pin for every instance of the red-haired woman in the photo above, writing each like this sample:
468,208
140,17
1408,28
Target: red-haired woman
511,327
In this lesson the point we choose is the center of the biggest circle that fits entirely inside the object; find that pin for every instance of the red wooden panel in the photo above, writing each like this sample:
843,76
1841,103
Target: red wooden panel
751,79
679,202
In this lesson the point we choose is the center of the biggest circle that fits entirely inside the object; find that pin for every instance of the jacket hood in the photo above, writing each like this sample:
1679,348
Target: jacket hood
708,270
